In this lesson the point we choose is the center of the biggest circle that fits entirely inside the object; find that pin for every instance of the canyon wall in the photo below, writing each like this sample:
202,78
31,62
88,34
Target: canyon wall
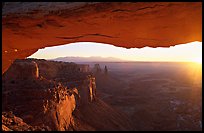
40,101
12,123
29,26
63,100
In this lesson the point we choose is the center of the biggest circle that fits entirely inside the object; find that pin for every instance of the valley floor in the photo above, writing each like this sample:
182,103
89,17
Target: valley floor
155,99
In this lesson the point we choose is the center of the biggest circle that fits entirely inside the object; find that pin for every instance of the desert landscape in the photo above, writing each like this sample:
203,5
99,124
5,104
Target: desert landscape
138,96
137,80
155,96
40,95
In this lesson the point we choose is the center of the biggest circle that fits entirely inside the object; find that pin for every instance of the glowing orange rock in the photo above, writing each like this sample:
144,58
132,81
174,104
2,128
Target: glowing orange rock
28,27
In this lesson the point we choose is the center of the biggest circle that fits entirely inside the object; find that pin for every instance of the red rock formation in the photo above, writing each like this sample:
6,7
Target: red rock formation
55,104
26,27
83,68
37,101
22,70
40,103
97,68
12,123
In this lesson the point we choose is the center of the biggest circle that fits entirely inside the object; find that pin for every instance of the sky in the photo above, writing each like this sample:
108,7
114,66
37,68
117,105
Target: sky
179,53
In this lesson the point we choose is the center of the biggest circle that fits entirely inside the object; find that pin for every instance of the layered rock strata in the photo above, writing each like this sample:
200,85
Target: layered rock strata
56,101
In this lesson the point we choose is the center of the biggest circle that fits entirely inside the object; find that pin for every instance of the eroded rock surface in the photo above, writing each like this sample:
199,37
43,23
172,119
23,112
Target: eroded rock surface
65,100
12,123
29,26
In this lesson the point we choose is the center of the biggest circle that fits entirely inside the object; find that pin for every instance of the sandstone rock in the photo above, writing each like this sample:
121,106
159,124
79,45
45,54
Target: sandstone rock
97,68
56,102
27,27
83,68
5,128
12,123
22,70
53,103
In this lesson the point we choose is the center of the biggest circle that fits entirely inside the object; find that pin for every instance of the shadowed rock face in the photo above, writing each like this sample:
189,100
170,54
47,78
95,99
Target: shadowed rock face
12,123
22,70
41,101
61,101
26,27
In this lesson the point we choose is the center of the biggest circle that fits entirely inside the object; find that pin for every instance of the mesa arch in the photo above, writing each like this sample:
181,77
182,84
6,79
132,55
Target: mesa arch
29,26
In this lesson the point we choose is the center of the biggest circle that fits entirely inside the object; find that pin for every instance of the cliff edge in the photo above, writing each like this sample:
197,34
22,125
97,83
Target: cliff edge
58,96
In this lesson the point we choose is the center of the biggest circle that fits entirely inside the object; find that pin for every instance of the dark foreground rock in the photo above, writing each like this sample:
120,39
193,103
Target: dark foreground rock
64,100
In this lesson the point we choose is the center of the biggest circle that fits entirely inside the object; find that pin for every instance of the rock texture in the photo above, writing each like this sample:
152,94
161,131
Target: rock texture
29,26
30,70
12,123
61,101
39,100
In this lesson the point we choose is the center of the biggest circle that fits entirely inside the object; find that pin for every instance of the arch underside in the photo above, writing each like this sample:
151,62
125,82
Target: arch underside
27,27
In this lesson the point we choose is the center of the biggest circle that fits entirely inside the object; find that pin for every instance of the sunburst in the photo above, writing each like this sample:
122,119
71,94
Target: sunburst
197,60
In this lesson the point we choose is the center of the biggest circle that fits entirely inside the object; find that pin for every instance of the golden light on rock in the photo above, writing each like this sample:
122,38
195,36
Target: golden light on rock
129,25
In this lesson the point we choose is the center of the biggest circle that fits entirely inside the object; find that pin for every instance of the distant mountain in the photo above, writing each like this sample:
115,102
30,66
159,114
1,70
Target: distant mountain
88,59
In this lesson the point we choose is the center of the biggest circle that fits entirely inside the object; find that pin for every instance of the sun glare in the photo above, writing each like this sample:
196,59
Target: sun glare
190,52
198,60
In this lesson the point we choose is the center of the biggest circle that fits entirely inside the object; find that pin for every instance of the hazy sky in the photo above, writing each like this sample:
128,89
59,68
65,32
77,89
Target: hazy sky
184,52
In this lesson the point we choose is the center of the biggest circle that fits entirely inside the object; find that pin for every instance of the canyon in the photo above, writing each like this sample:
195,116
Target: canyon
157,96
50,95
40,95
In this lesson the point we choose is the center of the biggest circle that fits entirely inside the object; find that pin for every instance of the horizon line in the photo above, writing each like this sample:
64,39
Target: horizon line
124,61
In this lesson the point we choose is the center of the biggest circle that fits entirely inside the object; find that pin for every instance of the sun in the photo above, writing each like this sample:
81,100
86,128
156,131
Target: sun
198,60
